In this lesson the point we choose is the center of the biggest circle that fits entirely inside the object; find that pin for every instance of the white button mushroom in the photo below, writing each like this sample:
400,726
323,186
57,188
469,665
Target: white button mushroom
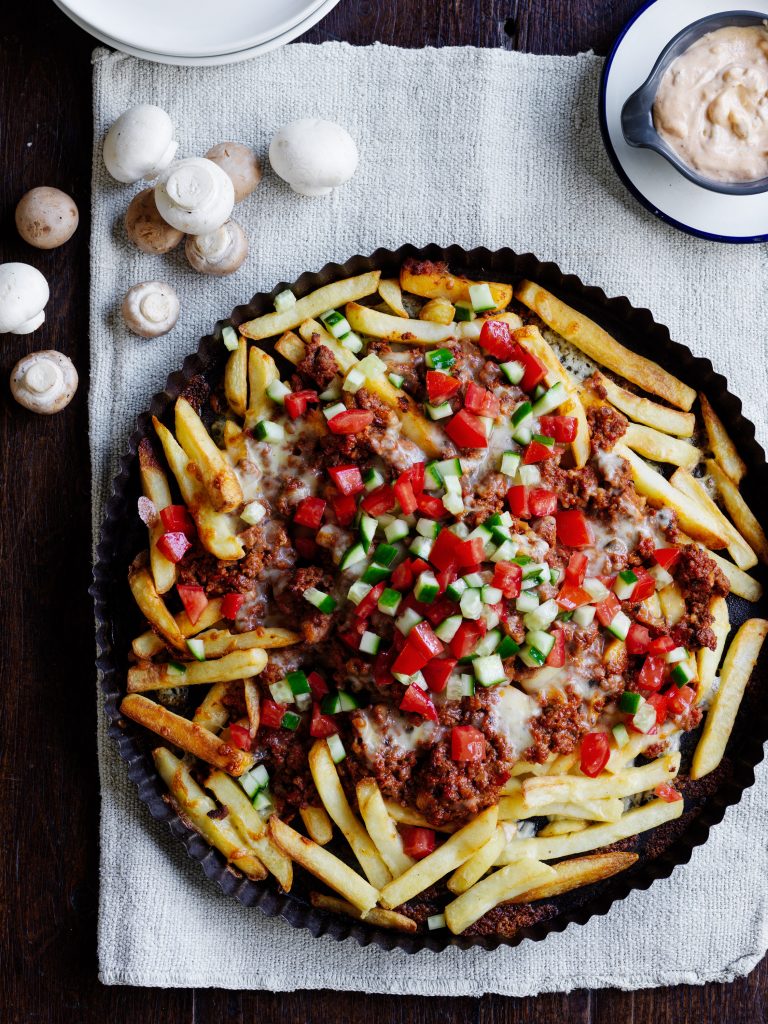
46,217
240,163
146,228
44,382
140,144
219,252
150,309
313,156
195,195
23,296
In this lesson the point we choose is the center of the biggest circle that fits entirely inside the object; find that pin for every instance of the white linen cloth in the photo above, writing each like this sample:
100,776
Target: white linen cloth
468,146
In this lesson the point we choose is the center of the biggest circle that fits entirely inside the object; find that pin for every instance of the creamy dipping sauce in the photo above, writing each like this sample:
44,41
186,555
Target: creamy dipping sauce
712,104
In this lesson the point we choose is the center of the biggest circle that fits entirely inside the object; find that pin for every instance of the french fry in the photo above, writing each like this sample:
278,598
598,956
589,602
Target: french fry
160,676
196,807
330,296
434,281
737,668
154,484
318,824
381,828
214,529
153,607
515,808
652,444
498,887
409,816
369,321
596,343
218,642
576,873
221,484
291,347
623,756
561,827
324,865
379,917
738,548
392,294
672,604
742,585
329,787
148,644
454,851
722,446
707,660
660,493
262,372
643,410
213,714
236,379
739,511
547,790
479,863
439,311
252,706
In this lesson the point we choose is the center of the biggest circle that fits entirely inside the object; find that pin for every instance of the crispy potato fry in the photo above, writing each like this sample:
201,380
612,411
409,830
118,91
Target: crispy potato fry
515,808
672,604
661,493
381,828
291,347
215,530
221,484
218,642
623,756
438,283
252,706
379,917
738,548
262,372
329,787
722,446
454,851
578,872
439,311
479,863
161,676
643,410
409,816
330,296
561,827
148,644
739,511
213,714
498,887
652,444
742,585
391,292
324,865
737,668
153,607
154,484
530,338
369,321
562,788
236,379
318,824
707,661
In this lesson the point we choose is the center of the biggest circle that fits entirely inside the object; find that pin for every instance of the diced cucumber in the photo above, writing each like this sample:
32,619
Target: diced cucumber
584,615
354,381
229,337
330,411
630,702
450,467
251,781
532,656
620,734
428,528
408,620
396,380
463,311
369,642
262,802
358,591
456,589
682,673
253,513
460,529
460,686
373,478
491,595
527,603
398,529
542,641
675,655
277,391
421,547
433,478
332,393
490,616
487,422
438,412
505,552
662,577
175,668
454,503
473,579
371,366
522,414
435,922
489,670
510,463
538,391
336,748
543,616
284,300
333,703
352,341
351,556
644,718
323,602
282,692
596,590
266,430
550,400
619,625
513,371
368,526
426,588
385,554
448,628
471,604
375,573
439,359
196,648
336,323
481,297
507,648
529,476
488,644
389,601
625,584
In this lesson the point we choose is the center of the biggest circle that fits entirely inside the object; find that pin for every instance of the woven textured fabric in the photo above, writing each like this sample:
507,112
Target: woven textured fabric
467,146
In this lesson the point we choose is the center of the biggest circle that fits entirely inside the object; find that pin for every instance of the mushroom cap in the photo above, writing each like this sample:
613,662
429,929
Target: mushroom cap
46,217
195,195
23,296
44,382
219,252
146,228
140,144
150,309
241,164
313,156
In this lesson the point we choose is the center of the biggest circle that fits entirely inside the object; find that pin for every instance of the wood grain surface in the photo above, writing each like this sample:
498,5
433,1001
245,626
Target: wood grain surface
48,772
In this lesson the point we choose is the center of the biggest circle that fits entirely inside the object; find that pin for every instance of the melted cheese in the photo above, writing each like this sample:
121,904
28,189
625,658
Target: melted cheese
399,733
511,716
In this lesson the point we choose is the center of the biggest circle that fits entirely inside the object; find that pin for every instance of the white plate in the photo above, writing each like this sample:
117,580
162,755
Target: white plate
223,58
648,176
192,28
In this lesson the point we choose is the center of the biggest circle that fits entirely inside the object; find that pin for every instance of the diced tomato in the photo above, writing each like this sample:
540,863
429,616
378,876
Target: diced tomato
440,386
410,660
645,586
667,558
556,657
517,496
437,673
661,645
306,547
317,685
651,675
444,550
508,578
595,752
607,609
231,604
352,421
344,508
296,403
466,636
535,372
668,793
382,666
679,700
348,479
562,428
576,570
240,736
542,502
173,546
321,725
496,339
271,714
309,512
638,639
368,605
402,577
418,841
439,610
424,638
379,501
469,552
480,401
446,576
430,506
418,566
194,600
467,743
659,702
573,529
537,452
416,473
570,597
404,494
176,519
419,702
466,430
351,638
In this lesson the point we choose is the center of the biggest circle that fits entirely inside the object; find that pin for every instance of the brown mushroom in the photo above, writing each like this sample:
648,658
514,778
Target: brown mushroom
44,382
46,217
219,252
240,163
146,228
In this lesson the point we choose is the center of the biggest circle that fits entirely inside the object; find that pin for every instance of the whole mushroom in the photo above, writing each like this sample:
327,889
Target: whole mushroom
23,296
240,163
313,156
140,144
219,252
195,195
44,382
146,228
46,217
150,309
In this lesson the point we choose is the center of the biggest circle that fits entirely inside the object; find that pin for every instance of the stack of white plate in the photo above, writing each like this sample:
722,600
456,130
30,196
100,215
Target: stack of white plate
196,32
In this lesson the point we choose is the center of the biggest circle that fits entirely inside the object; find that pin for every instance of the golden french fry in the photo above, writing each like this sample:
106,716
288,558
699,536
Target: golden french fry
154,484
324,865
561,827
516,808
707,660
643,410
391,292
722,446
161,676
737,668
252,706
291,347
213,714
262,372
434,281
739,511
153,607
148,644
578,872
381,828
218,642
318,824
560,788
236,379
672,604
738,548
330,296
379,917
410,816
498,887
742,585
439,311
454,851
369,321
623,756
596,343
479,863
652,444
221,484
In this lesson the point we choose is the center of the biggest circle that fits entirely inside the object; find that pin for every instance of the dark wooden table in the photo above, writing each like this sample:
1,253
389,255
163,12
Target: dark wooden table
48,773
